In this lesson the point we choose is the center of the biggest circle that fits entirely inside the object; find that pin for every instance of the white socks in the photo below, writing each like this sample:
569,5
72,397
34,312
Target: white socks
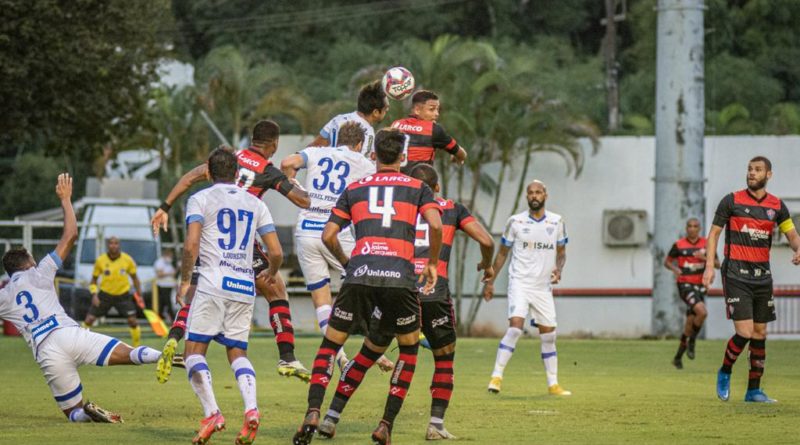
246,378
504,351
200,378
79,415
549,357
143,354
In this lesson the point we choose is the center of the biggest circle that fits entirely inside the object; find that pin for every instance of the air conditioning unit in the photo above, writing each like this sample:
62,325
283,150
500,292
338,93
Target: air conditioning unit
780,239
624,228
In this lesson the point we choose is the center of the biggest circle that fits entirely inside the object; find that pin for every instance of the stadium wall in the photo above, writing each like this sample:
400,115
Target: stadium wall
606,290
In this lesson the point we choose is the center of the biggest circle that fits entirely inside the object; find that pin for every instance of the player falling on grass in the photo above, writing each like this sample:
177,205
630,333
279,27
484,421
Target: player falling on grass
256,175
371,109
749,218
438,315
687,260
380,281
221,222
537,240
59,344
425,135
329,171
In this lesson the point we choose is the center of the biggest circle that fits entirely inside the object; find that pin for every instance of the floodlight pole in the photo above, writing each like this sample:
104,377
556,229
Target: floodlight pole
680,124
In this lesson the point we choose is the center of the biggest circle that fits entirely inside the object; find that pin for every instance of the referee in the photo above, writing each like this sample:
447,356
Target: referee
117,269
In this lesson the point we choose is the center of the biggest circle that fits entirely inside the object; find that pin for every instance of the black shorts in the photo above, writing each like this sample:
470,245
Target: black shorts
123,303
748,301
439,322
692,294
388,311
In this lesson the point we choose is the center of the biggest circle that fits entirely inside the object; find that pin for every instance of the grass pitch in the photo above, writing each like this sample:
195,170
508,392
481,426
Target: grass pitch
624,392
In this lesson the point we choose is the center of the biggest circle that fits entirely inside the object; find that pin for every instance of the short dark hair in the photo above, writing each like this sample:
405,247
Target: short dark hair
350,134
764,160
266,132
371,98
426,174
422,96
15,260
389,144
222,165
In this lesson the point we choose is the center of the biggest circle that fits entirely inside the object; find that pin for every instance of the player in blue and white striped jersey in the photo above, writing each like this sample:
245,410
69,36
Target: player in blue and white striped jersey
59,344
371,109
222,222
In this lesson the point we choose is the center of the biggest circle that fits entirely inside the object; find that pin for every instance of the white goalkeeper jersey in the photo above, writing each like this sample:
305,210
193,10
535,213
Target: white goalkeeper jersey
533,248
330,171
30,302
231,219
331,130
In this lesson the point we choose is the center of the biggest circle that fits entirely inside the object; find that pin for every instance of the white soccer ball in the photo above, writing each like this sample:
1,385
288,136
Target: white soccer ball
398,83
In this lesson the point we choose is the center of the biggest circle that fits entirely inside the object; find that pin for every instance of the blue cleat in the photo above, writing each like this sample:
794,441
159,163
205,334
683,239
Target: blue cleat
723,385
757,396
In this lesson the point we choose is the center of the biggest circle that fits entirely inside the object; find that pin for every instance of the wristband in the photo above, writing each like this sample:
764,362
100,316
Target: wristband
164,206
92,289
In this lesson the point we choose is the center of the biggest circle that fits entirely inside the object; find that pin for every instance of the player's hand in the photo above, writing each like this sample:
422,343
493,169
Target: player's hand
555,276
708,277
430,275
488,272
179,300
160,221
137,298
488,291
796,258
454,159
95,300
64,186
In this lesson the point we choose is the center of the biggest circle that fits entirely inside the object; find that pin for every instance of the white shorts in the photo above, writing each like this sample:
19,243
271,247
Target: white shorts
60,354
539,304
316,260
216,318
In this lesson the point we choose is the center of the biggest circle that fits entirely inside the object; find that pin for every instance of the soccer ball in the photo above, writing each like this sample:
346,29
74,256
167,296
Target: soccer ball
398,83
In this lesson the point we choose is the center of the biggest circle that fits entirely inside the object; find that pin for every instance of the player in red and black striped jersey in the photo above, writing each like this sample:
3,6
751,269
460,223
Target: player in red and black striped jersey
256,174
380,281
687,260
749,218
425,135
438,316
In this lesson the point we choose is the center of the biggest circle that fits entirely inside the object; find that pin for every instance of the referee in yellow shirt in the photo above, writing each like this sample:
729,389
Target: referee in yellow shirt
116,268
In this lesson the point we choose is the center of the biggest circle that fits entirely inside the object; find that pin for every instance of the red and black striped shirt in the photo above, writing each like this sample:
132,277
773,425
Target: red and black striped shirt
383,209
454,217
692,267
424,138
749,224
257,174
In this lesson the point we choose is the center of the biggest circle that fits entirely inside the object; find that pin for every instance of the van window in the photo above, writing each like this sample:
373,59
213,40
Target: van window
144,252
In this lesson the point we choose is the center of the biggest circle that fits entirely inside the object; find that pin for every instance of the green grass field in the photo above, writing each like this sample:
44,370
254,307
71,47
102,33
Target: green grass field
624,392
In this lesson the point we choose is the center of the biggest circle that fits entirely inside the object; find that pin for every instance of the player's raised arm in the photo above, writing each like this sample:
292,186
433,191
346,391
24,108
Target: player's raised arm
292,163
70,233
319,141
161,217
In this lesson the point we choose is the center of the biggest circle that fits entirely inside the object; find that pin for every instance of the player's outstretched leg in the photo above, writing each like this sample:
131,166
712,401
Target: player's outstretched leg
176,333
280,318
100,415
504,352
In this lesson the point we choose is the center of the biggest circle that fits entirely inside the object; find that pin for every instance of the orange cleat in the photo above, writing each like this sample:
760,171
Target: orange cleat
209,426
252,419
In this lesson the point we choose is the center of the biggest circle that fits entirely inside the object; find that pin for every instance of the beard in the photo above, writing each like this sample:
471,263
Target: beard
535,205
758,185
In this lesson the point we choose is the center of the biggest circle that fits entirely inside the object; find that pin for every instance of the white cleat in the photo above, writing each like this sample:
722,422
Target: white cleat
436,433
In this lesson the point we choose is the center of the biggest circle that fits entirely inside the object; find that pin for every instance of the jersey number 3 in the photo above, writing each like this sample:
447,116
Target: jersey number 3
28,304
342,170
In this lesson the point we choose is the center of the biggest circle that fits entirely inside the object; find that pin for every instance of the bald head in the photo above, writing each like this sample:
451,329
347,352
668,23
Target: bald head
112,244
692,228
536,195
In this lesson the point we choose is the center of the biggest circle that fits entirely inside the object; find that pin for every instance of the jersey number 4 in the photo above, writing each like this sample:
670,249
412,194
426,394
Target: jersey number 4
383,207
226,223
28,304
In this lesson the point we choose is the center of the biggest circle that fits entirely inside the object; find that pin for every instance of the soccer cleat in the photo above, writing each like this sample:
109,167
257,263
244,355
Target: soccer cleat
438,433
382,434
384,364
723,385
209,426
164,365
327,428
252,419
677,363
690,350
557,390
294,369
494,384
177,361
757,396
341,359
100,415
306,431
423,341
